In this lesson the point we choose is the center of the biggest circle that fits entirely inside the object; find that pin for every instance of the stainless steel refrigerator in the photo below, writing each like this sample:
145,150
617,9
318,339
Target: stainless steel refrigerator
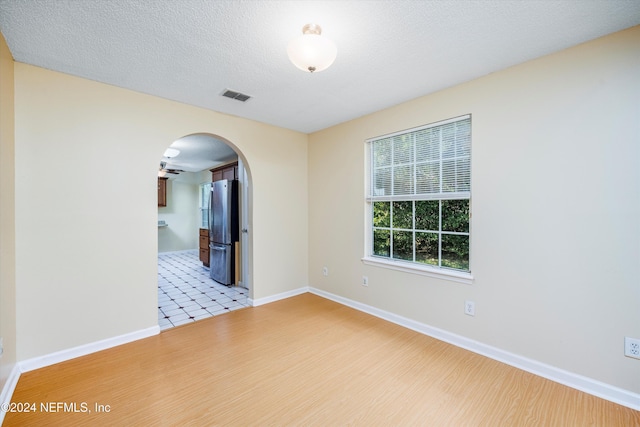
223,230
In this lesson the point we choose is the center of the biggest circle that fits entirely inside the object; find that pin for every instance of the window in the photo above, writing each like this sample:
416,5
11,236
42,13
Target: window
205,192
419,195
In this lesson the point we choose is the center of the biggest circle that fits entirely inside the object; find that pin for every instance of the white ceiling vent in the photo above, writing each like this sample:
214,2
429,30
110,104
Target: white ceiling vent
236,95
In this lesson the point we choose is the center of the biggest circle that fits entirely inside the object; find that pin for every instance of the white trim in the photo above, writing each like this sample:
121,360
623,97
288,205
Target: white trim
458,195
588,385
64,355
417,128
83,350
410,267
9,387
244,226
277,297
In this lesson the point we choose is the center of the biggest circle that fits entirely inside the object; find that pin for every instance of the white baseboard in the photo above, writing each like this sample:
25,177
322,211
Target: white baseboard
570,379
64,355
72,353
277,297
7,390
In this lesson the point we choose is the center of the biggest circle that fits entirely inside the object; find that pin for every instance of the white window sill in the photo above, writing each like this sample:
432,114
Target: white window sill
409,267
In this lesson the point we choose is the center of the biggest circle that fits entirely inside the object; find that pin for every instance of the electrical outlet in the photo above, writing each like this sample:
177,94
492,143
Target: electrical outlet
365,281
470,308
632,347
325,271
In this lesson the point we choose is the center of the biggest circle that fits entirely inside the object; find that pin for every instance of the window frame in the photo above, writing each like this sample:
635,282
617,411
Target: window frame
413,267
204,191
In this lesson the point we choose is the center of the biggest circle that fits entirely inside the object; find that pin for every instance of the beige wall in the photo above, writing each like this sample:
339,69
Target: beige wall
555,208
7,215
181,214
86,234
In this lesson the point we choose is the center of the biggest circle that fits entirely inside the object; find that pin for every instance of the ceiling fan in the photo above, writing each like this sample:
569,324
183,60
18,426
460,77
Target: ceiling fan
163,168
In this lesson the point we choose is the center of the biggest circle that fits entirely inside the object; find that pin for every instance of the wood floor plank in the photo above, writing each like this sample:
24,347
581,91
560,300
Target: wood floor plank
301,361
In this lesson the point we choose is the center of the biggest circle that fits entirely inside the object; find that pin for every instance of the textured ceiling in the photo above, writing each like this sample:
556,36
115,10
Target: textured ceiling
199,152
388,51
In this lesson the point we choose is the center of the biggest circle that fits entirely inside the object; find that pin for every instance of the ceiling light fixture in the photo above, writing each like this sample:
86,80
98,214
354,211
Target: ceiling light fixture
311,52
171,152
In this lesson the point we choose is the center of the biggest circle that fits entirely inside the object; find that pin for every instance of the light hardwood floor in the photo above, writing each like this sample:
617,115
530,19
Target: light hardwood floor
303,361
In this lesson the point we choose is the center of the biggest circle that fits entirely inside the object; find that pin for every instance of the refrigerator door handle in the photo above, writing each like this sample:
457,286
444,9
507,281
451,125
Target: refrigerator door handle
217,248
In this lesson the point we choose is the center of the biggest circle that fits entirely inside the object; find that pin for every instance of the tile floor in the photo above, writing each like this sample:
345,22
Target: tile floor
186,293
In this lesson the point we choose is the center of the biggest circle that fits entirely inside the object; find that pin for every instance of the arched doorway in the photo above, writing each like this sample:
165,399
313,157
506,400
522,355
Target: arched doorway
187,291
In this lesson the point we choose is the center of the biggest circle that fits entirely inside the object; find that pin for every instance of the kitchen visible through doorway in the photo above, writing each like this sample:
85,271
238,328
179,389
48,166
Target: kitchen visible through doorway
186,293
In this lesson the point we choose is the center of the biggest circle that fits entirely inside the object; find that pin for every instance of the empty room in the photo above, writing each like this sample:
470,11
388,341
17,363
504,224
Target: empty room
435,212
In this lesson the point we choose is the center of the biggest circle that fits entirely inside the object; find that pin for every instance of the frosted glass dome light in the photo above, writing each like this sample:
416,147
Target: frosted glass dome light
171,152
311,51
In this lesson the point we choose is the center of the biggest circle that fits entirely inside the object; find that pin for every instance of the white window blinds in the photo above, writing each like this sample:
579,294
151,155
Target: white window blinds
429,162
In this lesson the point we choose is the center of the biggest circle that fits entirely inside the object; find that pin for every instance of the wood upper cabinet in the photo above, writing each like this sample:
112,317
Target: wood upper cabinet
229,172
162,191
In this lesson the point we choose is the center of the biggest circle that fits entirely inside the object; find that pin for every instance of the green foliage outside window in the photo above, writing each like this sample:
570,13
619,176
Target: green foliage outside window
455,251
428,240
381,243
455,215
381,214
427,248
427,214
403,214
